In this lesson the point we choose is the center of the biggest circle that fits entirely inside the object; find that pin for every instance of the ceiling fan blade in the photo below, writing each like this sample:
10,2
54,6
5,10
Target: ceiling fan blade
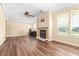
32,15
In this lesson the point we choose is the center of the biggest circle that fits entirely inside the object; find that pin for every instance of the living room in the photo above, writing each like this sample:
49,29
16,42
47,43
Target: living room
39,29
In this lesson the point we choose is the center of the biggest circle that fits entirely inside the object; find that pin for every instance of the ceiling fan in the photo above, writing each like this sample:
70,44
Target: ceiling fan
28,14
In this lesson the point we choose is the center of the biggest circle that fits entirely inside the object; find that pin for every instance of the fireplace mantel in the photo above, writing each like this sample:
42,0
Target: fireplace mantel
42,27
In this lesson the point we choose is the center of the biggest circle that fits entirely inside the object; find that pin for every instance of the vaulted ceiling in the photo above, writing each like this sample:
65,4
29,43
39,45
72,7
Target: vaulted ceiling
15,11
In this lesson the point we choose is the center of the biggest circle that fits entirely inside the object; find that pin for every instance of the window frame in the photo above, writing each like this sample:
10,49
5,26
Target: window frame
69,25
66,34
72,13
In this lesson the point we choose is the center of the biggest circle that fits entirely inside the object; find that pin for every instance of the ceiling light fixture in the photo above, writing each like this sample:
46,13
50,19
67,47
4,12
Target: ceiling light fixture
28,14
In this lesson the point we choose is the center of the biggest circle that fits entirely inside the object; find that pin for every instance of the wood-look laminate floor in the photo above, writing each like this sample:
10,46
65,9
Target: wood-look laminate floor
26,46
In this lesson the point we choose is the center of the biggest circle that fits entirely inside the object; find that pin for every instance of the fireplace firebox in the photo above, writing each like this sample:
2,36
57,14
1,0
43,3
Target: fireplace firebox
43,34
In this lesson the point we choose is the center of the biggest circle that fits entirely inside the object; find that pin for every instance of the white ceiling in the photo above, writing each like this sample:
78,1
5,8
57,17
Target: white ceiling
15,11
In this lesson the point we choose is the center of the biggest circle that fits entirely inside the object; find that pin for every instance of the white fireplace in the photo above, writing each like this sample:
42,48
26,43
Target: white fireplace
44,26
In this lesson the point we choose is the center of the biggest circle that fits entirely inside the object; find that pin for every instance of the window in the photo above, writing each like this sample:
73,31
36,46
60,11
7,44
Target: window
75,22
62,24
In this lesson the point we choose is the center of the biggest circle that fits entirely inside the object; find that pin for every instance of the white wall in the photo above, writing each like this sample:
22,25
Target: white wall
2,26
17,29
50,27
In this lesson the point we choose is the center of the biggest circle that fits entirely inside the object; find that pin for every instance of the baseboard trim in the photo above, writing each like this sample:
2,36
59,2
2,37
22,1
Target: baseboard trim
16,36
67,44
2,41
